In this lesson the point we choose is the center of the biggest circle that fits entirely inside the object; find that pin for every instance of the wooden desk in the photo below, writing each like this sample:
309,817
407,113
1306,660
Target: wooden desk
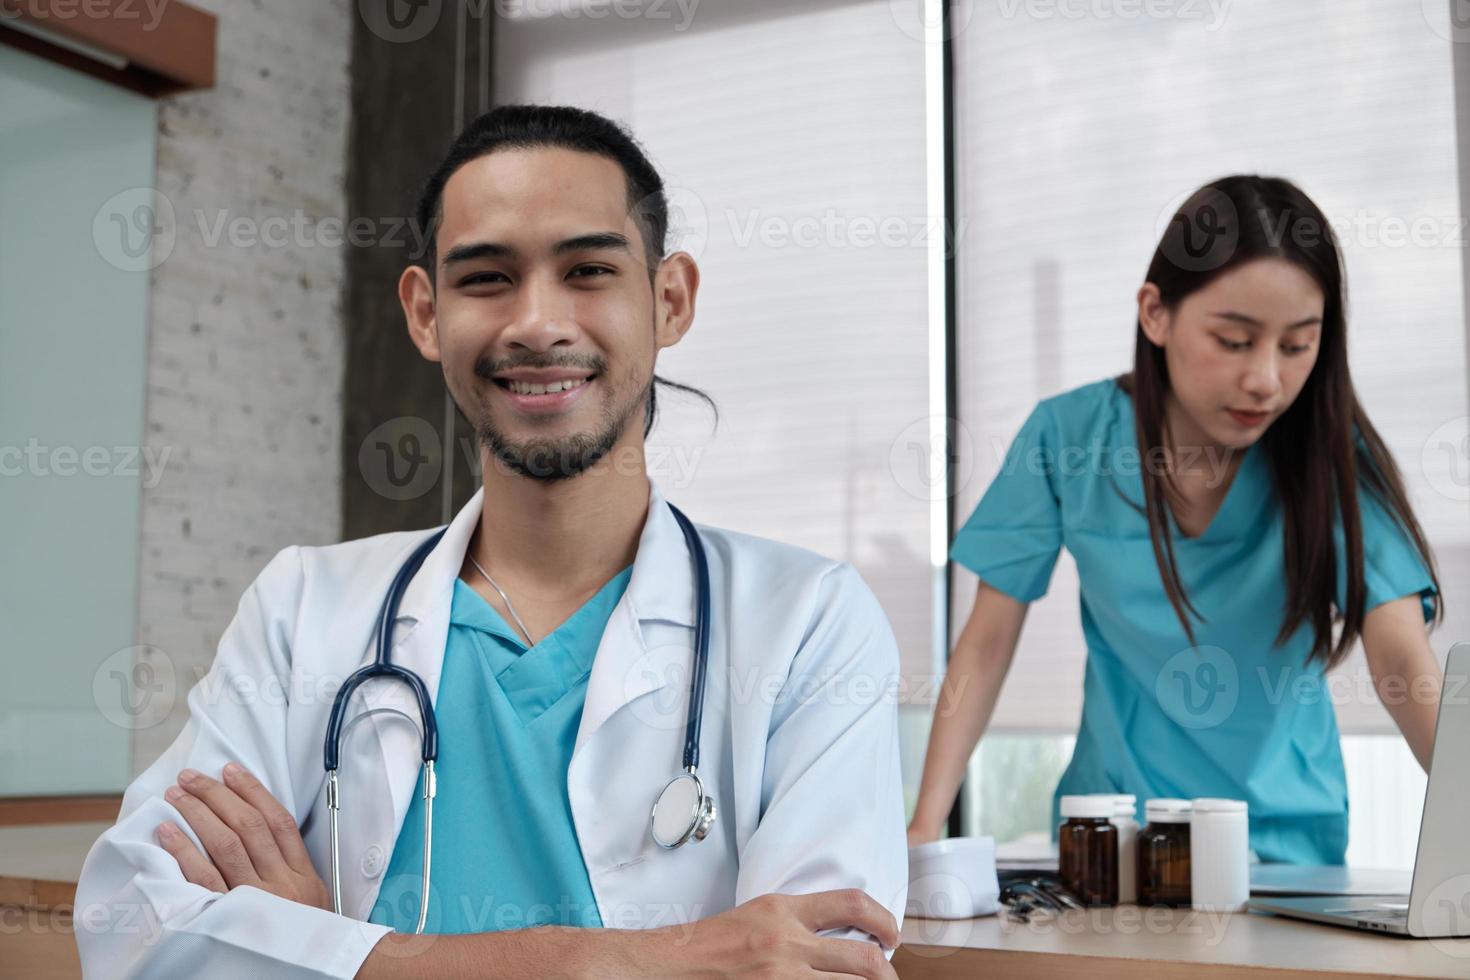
39,867
1162,944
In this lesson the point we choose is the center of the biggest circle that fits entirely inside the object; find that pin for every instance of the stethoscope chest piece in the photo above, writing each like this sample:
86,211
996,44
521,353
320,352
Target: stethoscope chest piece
683,812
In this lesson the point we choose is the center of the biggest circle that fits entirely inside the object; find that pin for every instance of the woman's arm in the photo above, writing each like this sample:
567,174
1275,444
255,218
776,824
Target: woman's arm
1406,674
977,668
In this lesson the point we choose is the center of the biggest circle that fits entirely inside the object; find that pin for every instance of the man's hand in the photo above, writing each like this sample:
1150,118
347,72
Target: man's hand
774,936
250,838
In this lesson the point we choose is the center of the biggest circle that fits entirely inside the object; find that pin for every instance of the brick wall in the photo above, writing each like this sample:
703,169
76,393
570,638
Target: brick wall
246,338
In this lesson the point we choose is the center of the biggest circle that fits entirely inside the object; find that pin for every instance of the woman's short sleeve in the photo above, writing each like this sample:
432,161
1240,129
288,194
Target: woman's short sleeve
1392,568
1014,535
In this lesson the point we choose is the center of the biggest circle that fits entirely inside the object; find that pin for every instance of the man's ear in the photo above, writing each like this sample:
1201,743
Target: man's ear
675,286
1153,316
416,294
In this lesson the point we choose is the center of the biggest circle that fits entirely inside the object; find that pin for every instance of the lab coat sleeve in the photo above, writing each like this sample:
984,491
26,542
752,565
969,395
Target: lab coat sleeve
135,914
832,811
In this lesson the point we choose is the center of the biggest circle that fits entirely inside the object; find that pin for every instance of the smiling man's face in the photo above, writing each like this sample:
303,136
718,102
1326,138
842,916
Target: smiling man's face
542,311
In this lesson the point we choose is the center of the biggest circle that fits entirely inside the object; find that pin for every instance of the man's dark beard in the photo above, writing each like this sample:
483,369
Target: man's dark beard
550,460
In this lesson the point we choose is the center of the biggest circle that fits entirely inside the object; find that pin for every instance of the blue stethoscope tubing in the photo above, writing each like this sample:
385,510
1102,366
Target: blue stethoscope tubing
684,796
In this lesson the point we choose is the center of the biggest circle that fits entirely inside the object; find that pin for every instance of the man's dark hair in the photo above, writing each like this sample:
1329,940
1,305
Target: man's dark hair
525,127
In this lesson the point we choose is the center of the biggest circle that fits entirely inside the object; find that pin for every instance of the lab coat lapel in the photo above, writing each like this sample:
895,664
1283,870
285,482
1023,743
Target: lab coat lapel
420,632
661,588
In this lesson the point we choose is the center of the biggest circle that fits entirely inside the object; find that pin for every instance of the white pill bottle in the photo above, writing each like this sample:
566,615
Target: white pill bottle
1219,855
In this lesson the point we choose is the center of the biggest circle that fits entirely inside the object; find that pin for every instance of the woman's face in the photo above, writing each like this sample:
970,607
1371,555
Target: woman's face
1238,351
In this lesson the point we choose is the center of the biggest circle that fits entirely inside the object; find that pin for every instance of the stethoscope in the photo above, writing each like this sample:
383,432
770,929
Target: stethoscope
683,810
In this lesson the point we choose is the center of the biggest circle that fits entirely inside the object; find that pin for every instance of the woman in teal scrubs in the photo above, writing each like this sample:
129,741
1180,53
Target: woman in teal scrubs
1228,503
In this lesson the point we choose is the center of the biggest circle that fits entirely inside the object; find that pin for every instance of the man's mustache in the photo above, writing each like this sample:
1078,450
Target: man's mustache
486,368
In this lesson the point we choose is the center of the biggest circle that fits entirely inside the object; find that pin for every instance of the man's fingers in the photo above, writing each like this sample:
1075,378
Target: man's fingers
280,821
248,824
848,907
197,868
853,957
222,844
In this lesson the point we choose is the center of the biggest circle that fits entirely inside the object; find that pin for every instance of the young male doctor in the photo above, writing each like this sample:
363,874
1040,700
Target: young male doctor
553,626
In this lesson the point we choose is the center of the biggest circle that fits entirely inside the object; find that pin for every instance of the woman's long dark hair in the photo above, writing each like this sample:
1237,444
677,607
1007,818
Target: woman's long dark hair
1320,451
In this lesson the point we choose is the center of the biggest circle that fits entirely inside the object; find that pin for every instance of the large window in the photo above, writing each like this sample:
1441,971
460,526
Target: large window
1079,127
808,195
76,222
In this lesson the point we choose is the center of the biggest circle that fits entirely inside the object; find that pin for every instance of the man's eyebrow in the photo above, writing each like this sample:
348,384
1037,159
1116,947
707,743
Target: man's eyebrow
596,241
477,250
591,242
1251,321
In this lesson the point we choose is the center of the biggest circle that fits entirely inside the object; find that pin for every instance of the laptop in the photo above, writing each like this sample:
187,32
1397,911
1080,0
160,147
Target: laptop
1438,902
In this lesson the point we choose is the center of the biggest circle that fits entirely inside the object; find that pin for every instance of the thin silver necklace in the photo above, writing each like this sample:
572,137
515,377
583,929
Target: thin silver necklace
508,605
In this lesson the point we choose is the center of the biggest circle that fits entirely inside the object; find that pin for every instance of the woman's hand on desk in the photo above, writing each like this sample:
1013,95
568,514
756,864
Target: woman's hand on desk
250,839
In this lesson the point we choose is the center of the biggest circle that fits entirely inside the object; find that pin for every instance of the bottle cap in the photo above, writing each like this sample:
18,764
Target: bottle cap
1166,810
1088,807
1124,804
1213,805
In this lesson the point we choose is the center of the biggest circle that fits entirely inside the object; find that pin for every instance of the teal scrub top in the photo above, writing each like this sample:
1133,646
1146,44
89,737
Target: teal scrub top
1231,716
506,854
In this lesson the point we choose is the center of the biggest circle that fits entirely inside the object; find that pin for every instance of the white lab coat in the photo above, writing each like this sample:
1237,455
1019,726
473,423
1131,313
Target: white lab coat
799,748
